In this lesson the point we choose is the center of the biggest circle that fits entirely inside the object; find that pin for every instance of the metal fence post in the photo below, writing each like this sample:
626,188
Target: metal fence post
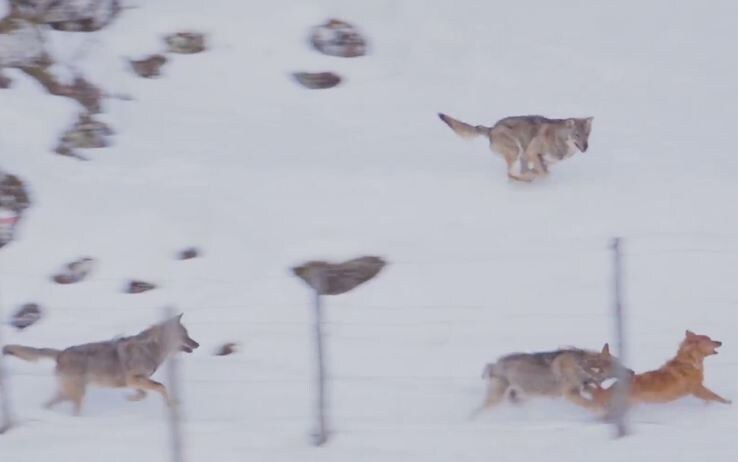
619,405
6,420
321,432
175,418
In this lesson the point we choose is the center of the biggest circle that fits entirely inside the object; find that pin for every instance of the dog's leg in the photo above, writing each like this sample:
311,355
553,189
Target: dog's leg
138,396
145,383
708,395
495,393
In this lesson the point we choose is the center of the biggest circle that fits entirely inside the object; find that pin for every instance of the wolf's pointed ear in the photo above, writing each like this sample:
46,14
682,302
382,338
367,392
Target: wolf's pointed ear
606,349
179,317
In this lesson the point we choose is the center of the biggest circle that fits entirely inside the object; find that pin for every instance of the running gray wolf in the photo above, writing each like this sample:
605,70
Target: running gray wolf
529,144
126,362
565,372
681,376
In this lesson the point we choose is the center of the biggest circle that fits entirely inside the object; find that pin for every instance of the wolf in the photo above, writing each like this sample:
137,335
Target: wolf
126,362
564,372
529,144
681,376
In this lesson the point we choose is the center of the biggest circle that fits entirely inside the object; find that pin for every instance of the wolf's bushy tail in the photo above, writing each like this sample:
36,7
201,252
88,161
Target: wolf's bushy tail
29,353
463,129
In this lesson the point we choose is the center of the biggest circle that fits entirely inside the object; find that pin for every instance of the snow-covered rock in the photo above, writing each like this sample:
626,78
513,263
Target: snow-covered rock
317,80
22,43
14,200
185,42
148,67
86,133
70,15
27,315
338,38
74,271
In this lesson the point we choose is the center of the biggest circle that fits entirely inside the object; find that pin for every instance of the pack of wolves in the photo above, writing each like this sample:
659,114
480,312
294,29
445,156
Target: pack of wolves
573,373
529,145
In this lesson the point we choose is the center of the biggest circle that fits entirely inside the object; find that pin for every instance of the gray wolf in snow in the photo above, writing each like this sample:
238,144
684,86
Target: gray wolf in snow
529,144
126,362
566,372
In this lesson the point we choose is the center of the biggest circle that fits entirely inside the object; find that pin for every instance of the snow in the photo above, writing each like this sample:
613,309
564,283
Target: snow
226,153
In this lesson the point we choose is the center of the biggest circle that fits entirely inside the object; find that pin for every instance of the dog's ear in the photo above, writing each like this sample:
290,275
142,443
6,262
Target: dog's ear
689,334
606,349
588,121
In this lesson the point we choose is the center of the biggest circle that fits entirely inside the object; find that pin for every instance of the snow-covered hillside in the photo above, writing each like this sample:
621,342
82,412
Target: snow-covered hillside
227,153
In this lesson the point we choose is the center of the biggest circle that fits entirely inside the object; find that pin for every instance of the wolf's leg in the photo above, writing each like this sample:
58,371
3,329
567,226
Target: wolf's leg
535,158
145,383
708,395
516,397
138,396
543,164
69,390
512,153
515,169
495,393
74,390
574,395
58,398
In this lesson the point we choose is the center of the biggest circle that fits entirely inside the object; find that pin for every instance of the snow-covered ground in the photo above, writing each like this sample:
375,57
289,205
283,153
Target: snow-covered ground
225,152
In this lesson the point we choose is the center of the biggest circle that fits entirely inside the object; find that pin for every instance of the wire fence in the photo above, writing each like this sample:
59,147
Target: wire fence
637,247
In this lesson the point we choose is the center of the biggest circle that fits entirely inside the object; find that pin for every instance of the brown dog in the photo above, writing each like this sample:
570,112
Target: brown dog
681,376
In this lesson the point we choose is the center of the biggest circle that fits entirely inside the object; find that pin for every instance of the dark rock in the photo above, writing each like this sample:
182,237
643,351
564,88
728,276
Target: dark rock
185,42
338,38
26,316
317,80
137,287
188,253
75,271
148,67
226,349
338,278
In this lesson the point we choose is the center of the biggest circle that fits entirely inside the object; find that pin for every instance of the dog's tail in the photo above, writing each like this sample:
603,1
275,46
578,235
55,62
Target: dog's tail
488,371
29,353
464,130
